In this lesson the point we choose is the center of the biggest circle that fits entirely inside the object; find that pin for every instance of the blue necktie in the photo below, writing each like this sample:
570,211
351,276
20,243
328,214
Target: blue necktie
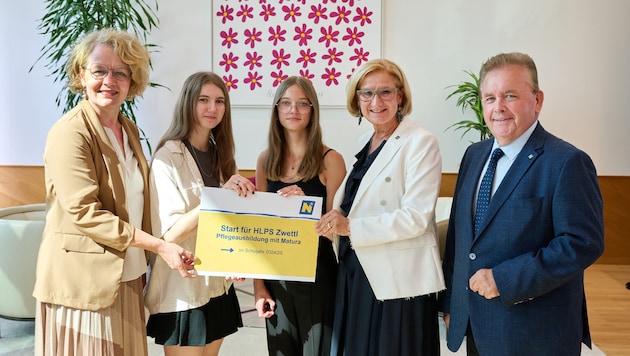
485,189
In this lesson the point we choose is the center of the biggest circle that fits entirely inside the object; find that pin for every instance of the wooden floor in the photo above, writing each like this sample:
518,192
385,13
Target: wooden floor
608,303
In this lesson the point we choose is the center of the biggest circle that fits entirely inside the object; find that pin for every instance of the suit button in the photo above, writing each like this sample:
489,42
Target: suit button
472,256
388,179
383,202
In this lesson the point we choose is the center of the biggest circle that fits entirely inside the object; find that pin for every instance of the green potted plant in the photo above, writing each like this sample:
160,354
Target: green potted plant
467,94
66,21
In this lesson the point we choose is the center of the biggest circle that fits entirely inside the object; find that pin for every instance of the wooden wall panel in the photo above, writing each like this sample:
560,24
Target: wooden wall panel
21,185
25,185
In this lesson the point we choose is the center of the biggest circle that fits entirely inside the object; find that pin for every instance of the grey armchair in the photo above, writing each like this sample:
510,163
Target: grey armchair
21,230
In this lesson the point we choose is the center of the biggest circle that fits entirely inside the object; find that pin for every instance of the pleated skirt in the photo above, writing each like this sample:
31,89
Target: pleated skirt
366,326
218,318
113,331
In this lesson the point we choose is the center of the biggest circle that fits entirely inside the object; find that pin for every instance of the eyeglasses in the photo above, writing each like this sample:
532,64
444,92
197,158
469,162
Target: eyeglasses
302,106
383,94
100,72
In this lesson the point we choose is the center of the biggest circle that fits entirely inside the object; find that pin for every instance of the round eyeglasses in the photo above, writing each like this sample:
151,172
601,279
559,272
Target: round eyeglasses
383,94
99,72
301,106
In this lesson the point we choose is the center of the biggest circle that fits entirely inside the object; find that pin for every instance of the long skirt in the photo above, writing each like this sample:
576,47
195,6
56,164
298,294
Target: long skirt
366,326
303,318
112,331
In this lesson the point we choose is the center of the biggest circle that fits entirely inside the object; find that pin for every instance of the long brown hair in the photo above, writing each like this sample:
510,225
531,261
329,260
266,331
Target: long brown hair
184,119
312,163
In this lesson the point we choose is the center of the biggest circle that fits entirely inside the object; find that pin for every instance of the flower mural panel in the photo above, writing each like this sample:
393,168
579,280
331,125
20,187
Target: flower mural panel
260,43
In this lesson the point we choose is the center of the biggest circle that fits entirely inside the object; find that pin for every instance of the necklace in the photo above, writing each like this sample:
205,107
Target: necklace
197,160
292,171
199,163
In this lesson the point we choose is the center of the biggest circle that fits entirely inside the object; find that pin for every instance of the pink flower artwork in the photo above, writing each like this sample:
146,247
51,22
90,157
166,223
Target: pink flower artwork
332,56
363,16
279,58
291,13
229,61
278,77
277,34
306,57
245,13
303,35
252,36
230,82
353,36
253,79
253,60
306,74
341,15
229,38
328,35
225,13
318,13
259,43
267,12
331,76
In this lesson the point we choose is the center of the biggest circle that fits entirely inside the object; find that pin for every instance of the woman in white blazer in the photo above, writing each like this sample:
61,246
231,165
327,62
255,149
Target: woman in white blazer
383,225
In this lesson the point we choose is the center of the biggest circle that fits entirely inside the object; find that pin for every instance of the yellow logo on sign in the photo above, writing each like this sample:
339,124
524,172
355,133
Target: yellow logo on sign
307,207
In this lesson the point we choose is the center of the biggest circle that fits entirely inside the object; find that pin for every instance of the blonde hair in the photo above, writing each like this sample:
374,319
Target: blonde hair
376,65
127,47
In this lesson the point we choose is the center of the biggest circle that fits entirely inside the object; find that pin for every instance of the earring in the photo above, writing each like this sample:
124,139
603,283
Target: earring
399,114
360,116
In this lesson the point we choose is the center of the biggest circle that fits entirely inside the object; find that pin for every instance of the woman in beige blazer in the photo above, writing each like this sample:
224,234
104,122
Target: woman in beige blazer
383,224
92,260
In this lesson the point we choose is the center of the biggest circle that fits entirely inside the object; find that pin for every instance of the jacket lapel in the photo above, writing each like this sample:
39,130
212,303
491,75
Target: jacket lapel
526,158
393,144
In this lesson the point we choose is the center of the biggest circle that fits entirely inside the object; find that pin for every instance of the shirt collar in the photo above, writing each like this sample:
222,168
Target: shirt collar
512,149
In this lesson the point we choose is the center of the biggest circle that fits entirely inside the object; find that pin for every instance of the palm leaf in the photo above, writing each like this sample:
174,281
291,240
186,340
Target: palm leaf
65,21
467,95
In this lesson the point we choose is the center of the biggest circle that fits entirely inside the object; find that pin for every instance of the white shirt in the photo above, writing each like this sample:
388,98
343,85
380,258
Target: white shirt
135,262
510,152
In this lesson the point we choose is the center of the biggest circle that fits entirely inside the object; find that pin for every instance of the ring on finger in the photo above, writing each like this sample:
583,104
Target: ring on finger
237,182
329,226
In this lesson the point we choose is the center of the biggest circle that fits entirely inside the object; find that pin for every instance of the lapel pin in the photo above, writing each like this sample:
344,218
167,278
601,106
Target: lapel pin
530,156
397,137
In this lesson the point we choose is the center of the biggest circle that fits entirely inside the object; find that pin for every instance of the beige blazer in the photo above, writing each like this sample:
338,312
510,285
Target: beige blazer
87,232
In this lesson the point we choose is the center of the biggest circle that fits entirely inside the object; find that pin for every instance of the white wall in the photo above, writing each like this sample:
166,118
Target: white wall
581,48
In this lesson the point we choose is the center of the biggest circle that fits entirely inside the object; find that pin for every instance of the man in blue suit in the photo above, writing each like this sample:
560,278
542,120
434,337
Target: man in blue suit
516,285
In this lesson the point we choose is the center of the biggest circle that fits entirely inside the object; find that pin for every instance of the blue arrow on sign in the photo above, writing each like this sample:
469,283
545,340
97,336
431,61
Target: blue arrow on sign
228,249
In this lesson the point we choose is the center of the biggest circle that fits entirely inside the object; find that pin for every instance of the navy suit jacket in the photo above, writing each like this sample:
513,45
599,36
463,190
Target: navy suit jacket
544,226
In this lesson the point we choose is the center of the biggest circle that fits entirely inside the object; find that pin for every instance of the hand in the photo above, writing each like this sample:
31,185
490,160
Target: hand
240,184
447,319
482,283
291,190
178,259
265,305
333,223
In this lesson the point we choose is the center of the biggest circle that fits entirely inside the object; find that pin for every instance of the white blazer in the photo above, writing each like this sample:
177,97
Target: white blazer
392,220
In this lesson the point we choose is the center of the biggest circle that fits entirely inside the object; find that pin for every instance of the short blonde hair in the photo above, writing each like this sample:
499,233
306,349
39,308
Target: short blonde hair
376,65
127,47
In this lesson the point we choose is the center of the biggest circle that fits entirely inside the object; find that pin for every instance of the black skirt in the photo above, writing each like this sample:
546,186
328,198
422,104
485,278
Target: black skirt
366,326
220,317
